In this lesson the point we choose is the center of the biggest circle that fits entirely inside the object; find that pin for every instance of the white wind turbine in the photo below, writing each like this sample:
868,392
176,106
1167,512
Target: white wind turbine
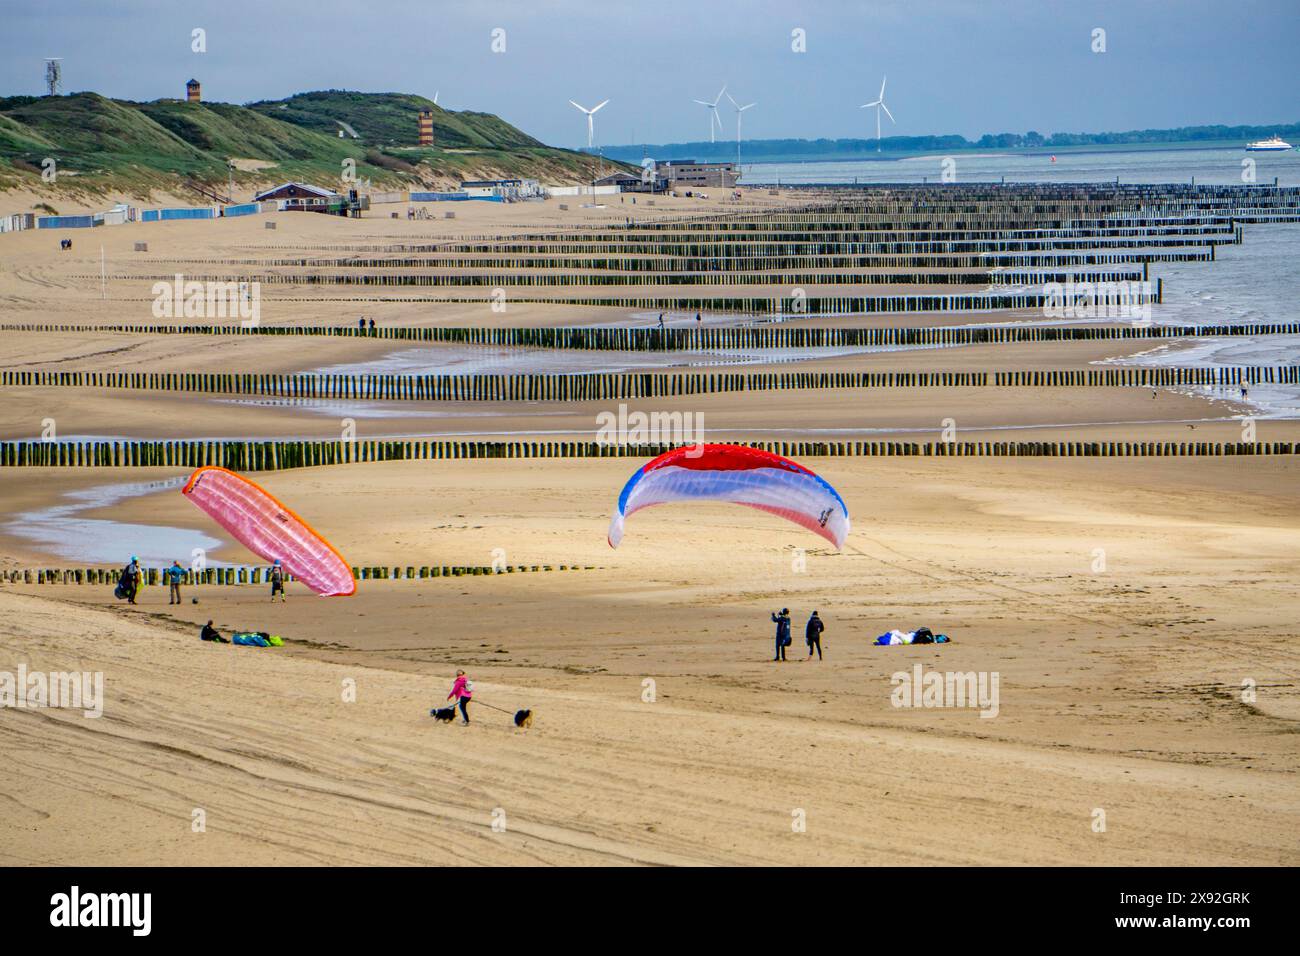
590,123
879,104
714,119
740,110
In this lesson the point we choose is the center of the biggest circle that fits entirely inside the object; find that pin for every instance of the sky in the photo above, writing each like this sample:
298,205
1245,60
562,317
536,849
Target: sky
954,66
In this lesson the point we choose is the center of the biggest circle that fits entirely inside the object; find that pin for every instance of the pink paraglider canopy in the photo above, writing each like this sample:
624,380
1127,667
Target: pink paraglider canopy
267,528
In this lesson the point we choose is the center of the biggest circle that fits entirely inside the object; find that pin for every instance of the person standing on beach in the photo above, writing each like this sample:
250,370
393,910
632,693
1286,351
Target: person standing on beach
661,321
174,574
462,690
277,581
782,622
812,635
131,579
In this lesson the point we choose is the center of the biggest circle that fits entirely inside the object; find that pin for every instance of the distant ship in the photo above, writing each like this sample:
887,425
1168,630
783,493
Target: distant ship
1268,145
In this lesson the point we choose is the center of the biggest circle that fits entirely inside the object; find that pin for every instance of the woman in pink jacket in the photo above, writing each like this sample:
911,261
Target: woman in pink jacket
461,692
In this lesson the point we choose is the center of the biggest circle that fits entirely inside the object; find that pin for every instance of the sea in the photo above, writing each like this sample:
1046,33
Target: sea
1219,166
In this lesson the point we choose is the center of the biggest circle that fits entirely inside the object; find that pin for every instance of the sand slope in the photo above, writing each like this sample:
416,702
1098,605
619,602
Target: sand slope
1119,691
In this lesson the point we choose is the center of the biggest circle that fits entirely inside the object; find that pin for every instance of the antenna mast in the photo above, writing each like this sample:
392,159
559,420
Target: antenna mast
53,74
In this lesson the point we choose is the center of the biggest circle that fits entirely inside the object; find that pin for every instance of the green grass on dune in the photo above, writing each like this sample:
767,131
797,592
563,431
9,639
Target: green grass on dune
390,119
141,147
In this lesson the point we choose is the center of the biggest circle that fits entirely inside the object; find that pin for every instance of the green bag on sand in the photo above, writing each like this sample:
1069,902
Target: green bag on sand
275,640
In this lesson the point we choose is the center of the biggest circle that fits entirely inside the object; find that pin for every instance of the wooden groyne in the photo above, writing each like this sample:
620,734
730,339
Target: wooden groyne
245,574
284,454
766,336
565,279
595,386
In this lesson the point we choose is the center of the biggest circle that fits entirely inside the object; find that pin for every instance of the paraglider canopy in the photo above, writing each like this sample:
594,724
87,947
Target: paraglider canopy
268,528
741,475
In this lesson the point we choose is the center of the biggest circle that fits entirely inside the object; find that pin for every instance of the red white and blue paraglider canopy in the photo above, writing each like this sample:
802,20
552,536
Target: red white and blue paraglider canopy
744,476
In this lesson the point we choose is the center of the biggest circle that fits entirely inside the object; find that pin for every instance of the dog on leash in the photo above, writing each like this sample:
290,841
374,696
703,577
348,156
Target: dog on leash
523,719
447,714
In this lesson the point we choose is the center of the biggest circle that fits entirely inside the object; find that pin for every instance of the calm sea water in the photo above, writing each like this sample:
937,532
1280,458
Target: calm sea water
1220,166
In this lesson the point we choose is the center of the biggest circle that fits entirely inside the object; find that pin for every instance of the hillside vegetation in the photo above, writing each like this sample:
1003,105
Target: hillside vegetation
101,144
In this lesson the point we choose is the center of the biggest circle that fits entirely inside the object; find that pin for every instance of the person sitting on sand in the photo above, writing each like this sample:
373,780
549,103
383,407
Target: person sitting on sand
462,689
210,633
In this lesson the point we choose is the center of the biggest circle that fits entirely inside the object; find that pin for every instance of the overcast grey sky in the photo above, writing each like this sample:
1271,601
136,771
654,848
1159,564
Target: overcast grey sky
954,66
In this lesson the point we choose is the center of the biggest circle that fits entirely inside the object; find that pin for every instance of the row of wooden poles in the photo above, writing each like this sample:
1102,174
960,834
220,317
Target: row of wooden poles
1157,222
700,246
772,336
772,257
705,261
565,279
843,243
280,454
512,253
249,575
591,386
1029,227
1116,304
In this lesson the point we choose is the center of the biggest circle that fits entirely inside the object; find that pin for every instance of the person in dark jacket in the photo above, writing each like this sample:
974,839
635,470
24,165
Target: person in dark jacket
210,633
812,634
130,580
277,580
782,622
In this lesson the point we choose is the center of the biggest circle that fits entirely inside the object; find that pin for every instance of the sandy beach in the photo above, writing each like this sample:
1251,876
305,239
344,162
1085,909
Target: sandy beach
1137,613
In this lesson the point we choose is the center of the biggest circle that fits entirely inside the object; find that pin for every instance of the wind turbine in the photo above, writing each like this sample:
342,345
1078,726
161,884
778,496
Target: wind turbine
435,97
740,110
590,123
879,104
714,120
